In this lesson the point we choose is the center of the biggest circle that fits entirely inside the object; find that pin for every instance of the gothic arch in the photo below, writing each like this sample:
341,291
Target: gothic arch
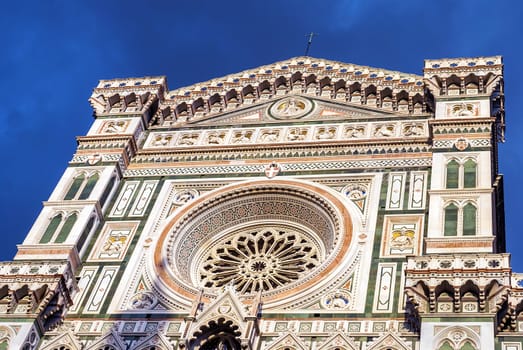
456,336
216,334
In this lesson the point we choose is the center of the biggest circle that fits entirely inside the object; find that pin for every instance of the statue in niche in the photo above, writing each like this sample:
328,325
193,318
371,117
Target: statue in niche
355,132
384,130
413,130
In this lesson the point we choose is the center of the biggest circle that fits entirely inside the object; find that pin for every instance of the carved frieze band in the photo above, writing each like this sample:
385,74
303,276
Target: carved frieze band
239,136
292,167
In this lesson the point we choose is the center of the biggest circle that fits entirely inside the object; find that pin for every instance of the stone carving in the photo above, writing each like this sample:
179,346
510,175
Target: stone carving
463,109
143,301
354,132
338,300
461,144
326,133
297,134
270,135
162,140
215,138
188,139
384,130
114,127
243,136
184,196
402,238
413,129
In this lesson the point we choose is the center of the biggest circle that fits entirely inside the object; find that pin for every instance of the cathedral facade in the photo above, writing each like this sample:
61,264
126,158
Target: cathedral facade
306,204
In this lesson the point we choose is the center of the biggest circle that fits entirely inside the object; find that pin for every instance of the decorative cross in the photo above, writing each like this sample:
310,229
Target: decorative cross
309,42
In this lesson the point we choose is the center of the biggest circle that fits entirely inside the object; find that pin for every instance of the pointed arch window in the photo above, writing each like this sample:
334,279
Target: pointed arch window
452,174
461,174
82,186
469,174
460,219
451,220
469,220
66,228
58,228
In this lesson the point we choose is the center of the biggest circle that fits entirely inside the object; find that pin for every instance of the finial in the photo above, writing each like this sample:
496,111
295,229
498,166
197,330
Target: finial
309,42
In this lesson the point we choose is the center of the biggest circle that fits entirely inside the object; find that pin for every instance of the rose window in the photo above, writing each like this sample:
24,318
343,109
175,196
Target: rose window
264,258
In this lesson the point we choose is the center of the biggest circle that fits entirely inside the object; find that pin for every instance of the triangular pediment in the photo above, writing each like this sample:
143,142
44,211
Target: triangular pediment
292,108
110,340
227,306
391,340
288,340
157,341
66,339
339,340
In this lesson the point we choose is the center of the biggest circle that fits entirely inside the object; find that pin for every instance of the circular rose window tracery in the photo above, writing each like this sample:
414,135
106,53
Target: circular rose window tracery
261,258
284,237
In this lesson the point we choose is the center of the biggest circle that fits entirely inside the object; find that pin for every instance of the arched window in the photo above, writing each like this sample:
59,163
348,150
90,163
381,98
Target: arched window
468,346
75,187
51,228
446,346
66,228
469,174
452,174
82,186
451,220
469,220
59,228
461,174
91,182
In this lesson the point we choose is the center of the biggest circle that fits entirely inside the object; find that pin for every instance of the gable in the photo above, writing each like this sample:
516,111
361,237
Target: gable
342,83
293,108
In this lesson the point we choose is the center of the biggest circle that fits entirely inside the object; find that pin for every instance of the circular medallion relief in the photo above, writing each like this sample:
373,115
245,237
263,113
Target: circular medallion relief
291,108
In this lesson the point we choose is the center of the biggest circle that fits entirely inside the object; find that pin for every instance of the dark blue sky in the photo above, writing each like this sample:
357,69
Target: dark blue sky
54,52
